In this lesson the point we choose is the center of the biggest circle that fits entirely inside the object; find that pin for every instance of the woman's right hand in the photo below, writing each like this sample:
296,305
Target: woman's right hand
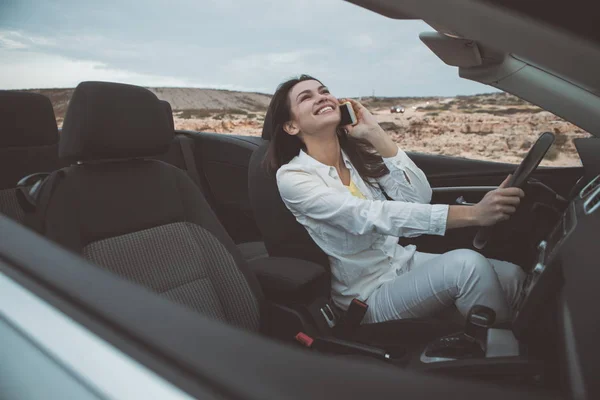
368,129
497,205
366,126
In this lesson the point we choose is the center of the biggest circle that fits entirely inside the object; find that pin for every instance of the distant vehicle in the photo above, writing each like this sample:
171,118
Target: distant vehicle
396,109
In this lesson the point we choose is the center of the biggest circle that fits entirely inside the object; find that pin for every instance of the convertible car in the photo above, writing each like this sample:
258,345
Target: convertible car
138,261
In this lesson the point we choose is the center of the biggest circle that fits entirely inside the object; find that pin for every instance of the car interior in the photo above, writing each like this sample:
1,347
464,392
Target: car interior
176,249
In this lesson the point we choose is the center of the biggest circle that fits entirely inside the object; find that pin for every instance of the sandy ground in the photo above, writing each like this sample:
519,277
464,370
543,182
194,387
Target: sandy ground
477,136
493,126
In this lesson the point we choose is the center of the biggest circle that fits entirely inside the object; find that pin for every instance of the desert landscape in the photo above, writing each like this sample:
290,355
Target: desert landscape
492,126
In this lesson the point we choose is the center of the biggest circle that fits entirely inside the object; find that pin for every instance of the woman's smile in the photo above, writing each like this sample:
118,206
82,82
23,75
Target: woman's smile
325,109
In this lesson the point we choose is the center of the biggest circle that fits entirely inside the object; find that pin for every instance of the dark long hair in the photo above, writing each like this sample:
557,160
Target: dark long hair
284,147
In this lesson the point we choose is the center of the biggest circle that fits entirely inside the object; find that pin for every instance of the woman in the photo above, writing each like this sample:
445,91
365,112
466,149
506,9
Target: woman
333,180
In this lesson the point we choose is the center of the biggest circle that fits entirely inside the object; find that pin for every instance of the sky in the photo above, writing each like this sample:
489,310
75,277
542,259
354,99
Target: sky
249,45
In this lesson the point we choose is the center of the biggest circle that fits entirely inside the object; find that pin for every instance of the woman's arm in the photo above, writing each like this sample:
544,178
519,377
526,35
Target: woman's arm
306,195
406,181
497,205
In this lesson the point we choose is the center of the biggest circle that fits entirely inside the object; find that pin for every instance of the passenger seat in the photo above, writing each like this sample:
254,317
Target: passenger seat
182,154
138,217
28,144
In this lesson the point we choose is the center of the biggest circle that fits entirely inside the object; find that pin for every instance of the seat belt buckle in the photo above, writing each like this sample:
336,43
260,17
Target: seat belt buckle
304,339
353,317
329,315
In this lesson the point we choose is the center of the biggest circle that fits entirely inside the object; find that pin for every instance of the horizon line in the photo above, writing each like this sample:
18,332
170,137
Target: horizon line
269,94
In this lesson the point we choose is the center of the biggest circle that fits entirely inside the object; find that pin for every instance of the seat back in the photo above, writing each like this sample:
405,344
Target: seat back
282,234
141,218
182,154
28,143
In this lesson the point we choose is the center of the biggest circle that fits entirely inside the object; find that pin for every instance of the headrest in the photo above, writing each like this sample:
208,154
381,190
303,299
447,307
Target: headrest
169,112
26,120
267,130
107,121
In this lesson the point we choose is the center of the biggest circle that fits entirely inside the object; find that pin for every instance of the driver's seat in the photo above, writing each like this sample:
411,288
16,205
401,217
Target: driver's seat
286,237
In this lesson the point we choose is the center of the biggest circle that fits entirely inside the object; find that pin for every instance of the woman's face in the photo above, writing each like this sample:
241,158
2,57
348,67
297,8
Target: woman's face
312,108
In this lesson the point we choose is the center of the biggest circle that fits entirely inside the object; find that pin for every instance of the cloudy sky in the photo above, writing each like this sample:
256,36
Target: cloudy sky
229,44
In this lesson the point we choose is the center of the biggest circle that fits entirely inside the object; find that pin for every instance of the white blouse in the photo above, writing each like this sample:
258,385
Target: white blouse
361,236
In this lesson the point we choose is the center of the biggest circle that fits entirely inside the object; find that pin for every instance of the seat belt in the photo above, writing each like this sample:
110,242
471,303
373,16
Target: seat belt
34,200
187,145
384,193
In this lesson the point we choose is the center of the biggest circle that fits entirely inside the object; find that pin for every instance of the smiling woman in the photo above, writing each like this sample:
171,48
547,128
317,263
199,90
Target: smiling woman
356,193
286,146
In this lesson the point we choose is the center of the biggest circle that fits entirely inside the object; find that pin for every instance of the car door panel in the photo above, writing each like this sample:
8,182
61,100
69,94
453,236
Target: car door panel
224,163
445,171
453,177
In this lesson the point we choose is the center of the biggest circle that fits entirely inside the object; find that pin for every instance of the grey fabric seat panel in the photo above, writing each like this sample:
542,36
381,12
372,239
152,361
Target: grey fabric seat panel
98,202
185,263
9,205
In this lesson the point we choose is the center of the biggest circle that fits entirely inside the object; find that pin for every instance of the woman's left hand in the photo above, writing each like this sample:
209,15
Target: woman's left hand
367,124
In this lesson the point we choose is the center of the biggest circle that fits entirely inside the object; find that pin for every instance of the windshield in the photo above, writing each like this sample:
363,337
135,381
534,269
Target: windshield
217,63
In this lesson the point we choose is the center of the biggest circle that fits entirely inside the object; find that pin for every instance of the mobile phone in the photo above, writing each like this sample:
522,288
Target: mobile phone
348,115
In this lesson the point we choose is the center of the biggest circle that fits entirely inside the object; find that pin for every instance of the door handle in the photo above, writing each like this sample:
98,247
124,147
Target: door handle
461,201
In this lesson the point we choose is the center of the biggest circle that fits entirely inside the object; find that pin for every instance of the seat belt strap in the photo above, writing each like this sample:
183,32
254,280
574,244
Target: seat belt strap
39,196
187,149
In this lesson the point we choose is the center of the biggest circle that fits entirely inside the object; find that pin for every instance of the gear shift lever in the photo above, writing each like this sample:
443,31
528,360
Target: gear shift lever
468,344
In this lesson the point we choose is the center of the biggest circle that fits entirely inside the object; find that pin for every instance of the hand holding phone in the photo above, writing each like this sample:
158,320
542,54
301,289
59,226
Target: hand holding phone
361,124
358,121
348,114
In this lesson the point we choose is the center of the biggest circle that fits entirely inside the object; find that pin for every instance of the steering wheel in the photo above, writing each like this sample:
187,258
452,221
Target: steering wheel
519,178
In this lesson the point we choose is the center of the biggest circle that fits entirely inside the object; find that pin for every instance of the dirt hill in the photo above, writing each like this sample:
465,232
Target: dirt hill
180,99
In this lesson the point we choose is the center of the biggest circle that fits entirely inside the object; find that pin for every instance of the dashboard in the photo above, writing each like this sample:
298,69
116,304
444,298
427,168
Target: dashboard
560,250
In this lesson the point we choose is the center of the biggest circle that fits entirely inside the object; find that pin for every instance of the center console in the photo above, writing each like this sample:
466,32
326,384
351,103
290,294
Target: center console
480,350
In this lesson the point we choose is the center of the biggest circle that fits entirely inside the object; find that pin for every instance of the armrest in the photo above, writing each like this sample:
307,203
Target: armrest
286,280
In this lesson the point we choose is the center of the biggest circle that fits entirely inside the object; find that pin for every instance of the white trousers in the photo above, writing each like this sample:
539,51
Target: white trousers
433,283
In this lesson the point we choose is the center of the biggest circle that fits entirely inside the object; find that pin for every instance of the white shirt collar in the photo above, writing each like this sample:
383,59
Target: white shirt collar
305,159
